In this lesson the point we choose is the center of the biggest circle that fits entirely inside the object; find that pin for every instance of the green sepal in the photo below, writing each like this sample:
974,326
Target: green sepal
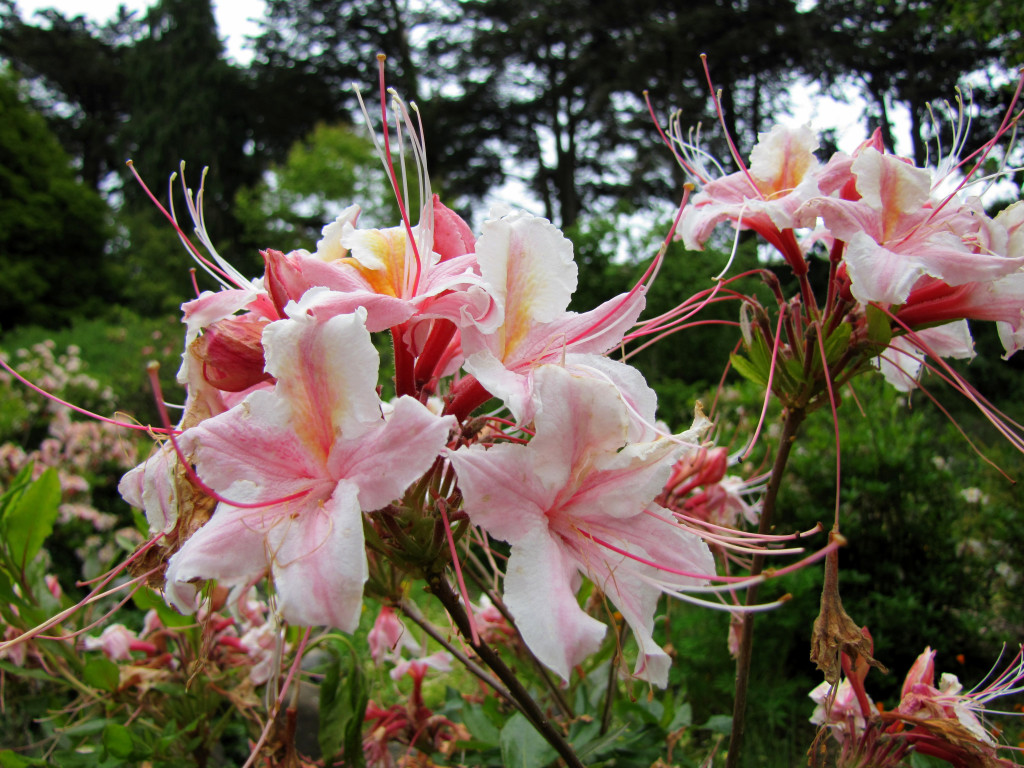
879,328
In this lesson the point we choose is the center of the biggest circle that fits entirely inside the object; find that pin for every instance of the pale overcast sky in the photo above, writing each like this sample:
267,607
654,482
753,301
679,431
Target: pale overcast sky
235,20
234,17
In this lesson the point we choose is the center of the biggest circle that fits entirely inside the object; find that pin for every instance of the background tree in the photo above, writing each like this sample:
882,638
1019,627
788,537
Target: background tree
53,228
905,54
331,168
80,68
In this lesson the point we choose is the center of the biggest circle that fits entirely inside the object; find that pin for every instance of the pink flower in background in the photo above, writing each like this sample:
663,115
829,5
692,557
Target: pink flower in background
307,458
903,359
842,712
782,176
115,642
896,234
389,636
578,500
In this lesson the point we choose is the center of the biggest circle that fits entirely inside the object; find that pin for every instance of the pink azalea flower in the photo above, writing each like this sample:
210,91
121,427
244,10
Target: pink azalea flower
115,642
896,234
843,714
921,699
393,276
389,636
781,176
305,459
529,268
439,661
578,500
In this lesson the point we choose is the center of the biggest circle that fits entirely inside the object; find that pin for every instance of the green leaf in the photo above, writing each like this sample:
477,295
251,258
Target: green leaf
343,700
917,760
9,759
522,746
749,371
29,519
594,749
718,724
117,740
480,726
146,599
102,673
681,718
838,342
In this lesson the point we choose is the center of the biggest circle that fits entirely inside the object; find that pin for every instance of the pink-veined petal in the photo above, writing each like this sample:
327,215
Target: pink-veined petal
327,372
385,461
319,562
540,592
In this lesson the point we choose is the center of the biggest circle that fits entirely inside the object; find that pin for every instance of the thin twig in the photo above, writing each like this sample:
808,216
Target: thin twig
410,610
440,587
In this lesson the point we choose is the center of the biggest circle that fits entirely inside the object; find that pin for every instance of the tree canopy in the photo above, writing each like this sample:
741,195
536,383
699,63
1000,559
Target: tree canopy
548,95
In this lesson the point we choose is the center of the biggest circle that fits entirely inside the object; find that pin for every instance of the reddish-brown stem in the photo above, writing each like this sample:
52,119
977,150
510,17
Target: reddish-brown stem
793,419
441,589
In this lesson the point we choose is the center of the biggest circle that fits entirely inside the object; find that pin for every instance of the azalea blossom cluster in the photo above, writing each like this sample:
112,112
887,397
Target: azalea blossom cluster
288,465
912,256
243,635
942,720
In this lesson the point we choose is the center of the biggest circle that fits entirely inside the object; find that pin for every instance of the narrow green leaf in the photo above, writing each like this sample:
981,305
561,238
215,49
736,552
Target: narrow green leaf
29,518
9,759
593,750
749,371
35,674
522,746
343,700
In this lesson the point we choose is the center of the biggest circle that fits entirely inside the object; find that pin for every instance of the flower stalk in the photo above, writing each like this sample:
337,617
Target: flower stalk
794,417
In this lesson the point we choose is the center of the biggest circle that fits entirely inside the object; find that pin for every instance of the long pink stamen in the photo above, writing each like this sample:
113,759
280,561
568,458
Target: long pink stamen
668,142
134,583
458,573
196,253
721,119
35,388
942,369
92,597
